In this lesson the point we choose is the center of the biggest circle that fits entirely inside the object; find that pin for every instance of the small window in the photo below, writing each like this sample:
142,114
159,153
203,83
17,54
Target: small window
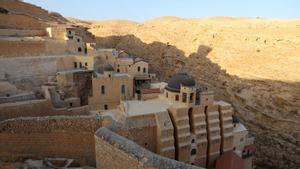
71,104
184,97
118,65
193,152
166,94
78,40
85,64
75,64
191,97
79,49
193,140
109,75
118,70
80,64
123,89
242,139
102,89
177,97
144,70
70,32
129,65
106,57
139,68
85,50
105,107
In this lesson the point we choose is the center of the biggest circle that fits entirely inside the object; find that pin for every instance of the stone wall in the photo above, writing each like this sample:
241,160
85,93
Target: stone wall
36,108
21,47
111,147
55,137
22,33
17,70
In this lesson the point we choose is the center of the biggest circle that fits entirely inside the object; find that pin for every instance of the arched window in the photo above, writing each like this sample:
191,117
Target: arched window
139,68
123,89
105,107
102,89
144,70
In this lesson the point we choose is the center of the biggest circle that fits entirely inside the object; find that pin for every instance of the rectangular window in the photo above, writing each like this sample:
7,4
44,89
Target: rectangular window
80,65
85,64
184,97
75,64
191,97
139,68
103,89
123,89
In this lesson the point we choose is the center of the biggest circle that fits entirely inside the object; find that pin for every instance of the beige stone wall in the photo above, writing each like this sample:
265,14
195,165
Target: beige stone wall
15,21
22,33
56,137
114,151
22,48
35,108
21,69
112,95
86,61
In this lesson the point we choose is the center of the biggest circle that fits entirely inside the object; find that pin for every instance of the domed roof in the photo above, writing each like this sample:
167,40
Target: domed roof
180,79
108,67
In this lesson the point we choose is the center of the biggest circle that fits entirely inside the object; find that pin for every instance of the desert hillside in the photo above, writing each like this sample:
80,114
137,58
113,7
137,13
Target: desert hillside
252,63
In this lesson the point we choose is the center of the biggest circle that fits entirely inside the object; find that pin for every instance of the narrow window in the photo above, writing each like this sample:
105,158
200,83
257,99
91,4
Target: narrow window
106,57
102,89
139,68
144,70
191,97
177,97
71,104
86,64
79,49
184,97
123,89
80,64
85,50
70,32
105,107
166,94
191,120
78,40
75,64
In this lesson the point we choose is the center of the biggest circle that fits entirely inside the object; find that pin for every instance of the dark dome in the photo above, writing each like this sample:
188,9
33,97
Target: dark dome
180,79
108,67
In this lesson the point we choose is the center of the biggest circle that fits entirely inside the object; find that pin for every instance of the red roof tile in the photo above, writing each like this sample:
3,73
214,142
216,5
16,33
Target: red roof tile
230,160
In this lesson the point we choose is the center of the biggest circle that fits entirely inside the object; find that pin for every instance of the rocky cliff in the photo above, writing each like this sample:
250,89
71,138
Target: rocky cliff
252,63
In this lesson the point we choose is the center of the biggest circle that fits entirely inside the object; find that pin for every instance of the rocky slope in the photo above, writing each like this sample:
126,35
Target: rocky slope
252,63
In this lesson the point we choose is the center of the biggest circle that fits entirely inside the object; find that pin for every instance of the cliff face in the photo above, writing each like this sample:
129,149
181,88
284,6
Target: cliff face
251,63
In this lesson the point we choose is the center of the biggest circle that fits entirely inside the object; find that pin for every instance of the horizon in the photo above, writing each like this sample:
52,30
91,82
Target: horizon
141,11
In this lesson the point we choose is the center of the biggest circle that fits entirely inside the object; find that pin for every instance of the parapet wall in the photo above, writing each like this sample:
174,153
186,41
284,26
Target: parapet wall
21,48
55,137
21,69
114,151
36,108
23,33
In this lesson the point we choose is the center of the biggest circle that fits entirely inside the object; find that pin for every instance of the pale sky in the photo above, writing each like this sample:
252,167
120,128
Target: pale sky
140,10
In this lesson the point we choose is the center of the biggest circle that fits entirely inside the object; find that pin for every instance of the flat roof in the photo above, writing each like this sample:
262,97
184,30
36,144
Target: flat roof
143,107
